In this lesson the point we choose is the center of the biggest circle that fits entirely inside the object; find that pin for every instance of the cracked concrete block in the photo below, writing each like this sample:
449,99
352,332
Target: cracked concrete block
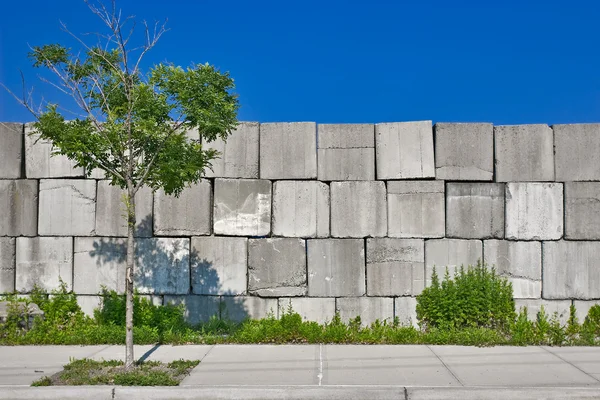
67,207
346,152
336,267
582,307
44,261
395,267
519,262
11,150
369,309
242,207
404,150
416,209
300,209
40,163
475,210
277,267
405,309
197,309
239,308
550,307
18,207
99,262
534,211
7,264
524,153
315,309
186,215
582,210
577,152
111,212
450,254
218,265
288,150
358,209
571,270
162,266
464,152
238,154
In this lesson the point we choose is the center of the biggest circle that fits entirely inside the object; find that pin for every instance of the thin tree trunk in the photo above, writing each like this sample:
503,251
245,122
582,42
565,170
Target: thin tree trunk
129,357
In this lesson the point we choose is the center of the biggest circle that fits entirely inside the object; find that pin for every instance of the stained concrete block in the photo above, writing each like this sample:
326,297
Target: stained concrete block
358,209
300,209
162,266
450,254
18,207
238,154
315,309
288,150
346,152
111,212
475,210
404,150
464,152
186,215
416,209
582,210
577,152
239,308
519,262
277,267
524,153
44,261
40,163
395,267
582,308
242,207
99,262
11,150
336,267
571,270
550,307
534,211
7,264
218,265
369,309
67,207
197,309
346,136
405,309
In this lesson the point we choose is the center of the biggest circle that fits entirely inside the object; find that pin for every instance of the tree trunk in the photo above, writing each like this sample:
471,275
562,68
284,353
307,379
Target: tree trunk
129,357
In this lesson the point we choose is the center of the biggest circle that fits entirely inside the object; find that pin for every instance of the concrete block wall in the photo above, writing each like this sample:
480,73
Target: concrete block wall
350,218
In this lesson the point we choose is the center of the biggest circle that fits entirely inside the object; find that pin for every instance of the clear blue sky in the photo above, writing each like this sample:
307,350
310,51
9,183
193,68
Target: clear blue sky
506,62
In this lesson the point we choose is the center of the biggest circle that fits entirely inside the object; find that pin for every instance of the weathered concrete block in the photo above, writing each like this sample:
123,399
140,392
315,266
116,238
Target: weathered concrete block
111,211
577,152
188,214
369,309
404,150
218,265
18,207
571,270
450,254
39,162
475,210
44,261
550,307
464,152
346,152
239,308
358,209
197,309
416,209
162,266
395,267
336,267
99,262
524,153
519,262
288,150
242,207
277,267
67,207
239,154
7,264
346,136
405,309
534,211
582,210
11,150
315,309
88,304
300,209
583,307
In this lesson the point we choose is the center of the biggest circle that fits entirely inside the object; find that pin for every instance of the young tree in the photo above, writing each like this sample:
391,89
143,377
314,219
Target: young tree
132,125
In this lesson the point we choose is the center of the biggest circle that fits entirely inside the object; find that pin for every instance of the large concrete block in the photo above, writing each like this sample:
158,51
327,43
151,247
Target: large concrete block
395,267
88,304
99,262
67,207
277,267
218,265
238,154
239,308
197,309
534,211
369,309
464,152
7,264
571,270
346,152
242,207
582,210
560,307
577,152
288,150
346,136
524,153
315,309
450,254
162,265
519,262
404,150
416,209
300,209
358,209
582,308
11,150
336,267
475,210
40,163
405,309
186,215
111,212
18,207
44,261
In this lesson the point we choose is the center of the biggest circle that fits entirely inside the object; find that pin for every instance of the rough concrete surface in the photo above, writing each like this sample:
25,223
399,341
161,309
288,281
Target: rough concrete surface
317,309
11,150
186,215
218,265
238,154
475,210
239,308
162,265
196,308
300,209
7,264
40,163
18,207
67,207
288,150
416,209
99,262
111,211
44,261
561,307
450,254
346,152
369,309
577,149
405,309
358,209
582,210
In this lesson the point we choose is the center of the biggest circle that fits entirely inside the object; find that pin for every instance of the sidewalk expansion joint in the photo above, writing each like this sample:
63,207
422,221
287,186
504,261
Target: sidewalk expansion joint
446,366
570,363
